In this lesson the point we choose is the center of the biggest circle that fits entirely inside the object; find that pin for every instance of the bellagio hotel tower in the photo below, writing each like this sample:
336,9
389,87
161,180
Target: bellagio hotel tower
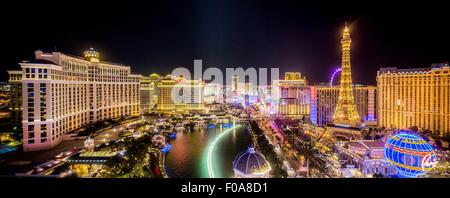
62,93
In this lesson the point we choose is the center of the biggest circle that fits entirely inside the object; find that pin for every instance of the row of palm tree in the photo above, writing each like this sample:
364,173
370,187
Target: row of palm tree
268,151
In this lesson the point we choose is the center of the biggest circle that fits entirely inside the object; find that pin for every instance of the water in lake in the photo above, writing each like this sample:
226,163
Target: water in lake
188,157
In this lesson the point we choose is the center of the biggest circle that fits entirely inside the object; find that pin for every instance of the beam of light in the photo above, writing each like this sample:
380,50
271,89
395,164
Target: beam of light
211,150
333,75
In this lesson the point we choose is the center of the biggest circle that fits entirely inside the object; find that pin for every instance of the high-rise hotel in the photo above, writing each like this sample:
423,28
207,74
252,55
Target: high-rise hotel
149,94
293,95
15,105
324,100
189,97
415,97
62,93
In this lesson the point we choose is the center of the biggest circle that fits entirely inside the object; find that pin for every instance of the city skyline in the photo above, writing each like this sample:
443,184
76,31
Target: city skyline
235,89
286,35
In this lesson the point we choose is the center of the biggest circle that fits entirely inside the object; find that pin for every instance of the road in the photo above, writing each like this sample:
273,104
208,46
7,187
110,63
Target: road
290,155
285,155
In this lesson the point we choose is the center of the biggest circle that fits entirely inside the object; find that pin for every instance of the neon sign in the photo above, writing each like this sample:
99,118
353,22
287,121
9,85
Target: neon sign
410,154
429,161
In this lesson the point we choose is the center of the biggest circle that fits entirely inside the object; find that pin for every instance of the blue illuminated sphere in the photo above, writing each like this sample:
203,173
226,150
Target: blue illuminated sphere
409,154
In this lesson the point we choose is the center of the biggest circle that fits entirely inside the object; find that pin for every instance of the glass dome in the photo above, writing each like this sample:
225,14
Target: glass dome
251,163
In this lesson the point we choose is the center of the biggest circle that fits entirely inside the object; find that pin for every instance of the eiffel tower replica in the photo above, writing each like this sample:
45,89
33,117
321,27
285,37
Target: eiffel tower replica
346,119
346,112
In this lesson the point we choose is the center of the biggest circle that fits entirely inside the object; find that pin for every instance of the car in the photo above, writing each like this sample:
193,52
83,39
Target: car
60,155
55,162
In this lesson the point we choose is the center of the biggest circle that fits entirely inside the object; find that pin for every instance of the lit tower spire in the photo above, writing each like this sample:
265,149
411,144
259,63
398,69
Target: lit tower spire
346,112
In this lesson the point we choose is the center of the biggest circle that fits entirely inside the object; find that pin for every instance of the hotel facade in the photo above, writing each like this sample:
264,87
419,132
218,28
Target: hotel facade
366,155
213,93
293,95
415,97
15,105
240,91
149,93
145,90
190,97
62,93
324,100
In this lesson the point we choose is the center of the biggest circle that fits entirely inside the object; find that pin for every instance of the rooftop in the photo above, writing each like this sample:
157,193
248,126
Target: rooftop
251,162
39,61
367,144
373,144
423,69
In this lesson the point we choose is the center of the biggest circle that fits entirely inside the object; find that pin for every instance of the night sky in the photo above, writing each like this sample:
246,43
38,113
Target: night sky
294,36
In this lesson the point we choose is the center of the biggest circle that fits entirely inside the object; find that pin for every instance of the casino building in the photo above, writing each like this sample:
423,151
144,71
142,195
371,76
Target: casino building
62,93
213,93
239,91
148,92
366,155
15,105
190,96
324,100
293,95
415,97
145,90
410,154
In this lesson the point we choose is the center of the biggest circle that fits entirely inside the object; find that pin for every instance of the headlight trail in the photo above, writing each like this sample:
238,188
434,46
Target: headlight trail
211,149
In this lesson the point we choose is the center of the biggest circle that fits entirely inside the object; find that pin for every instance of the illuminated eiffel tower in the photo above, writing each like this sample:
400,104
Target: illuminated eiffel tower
346,112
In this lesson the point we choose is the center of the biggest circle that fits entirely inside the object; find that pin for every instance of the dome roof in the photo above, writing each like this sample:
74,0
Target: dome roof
92,55
155,76
251,162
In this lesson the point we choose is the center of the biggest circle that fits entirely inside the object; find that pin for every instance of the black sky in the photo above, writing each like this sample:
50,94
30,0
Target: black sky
157,36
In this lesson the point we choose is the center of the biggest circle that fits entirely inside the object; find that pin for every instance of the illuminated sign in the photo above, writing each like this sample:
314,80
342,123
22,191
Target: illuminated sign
410,154
429,162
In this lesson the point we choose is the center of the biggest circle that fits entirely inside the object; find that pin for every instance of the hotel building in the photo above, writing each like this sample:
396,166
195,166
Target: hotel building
240,88
154,80
324,100
190,96
149,92
415,97
366,155
145,94
213,93
15,104
268,103
62,93
234,85
240,91
293,95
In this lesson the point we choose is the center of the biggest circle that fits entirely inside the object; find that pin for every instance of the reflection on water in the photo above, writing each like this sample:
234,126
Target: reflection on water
187,157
